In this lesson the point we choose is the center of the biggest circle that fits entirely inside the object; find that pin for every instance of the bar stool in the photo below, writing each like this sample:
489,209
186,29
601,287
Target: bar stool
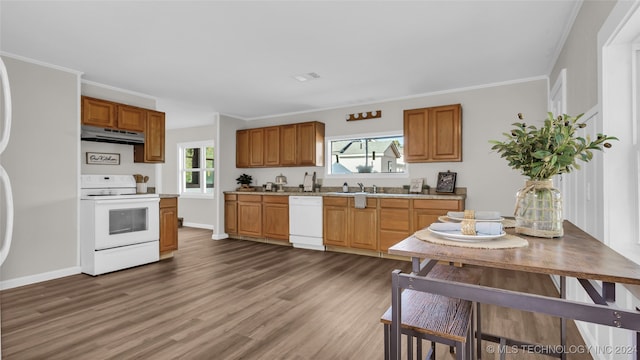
436,318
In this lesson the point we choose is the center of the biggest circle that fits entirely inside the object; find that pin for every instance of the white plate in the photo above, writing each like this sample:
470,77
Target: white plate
478,220
458,236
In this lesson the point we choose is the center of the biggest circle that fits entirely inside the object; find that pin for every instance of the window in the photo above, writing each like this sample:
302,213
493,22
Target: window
357,156
196,168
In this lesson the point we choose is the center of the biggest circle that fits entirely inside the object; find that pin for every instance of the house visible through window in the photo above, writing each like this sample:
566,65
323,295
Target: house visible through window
382,154
197,166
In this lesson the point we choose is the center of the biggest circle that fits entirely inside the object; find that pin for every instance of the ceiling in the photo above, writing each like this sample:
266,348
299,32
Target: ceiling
239,58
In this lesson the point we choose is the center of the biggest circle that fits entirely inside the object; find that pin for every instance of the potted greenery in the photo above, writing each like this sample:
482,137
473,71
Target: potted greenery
539,154
244,180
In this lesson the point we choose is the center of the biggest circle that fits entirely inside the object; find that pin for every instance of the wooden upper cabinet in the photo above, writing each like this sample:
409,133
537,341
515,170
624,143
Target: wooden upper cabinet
310,144
96,112
288,138
272,146
152,151
299,144
433,134
256,147
242,148
131,118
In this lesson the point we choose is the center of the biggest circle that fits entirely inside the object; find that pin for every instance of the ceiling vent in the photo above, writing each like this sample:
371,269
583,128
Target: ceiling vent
306,77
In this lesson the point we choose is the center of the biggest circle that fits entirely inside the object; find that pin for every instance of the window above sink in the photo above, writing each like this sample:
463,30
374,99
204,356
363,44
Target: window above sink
366,156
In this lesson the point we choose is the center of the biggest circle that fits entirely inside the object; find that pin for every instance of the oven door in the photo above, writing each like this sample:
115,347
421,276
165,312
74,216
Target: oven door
121,222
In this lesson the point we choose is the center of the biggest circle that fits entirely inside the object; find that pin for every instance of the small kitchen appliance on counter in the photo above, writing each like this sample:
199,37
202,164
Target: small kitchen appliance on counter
118,228
280,181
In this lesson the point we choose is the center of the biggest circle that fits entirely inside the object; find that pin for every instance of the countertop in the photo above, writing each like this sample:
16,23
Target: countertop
457,196
162,196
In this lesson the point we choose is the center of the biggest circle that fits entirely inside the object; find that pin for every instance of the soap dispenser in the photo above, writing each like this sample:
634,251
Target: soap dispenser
345,187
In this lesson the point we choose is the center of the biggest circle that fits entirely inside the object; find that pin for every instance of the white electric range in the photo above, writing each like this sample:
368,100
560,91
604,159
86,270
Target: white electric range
118,228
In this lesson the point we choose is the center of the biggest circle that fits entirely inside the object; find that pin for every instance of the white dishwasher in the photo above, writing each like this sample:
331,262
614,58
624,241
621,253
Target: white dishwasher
305,222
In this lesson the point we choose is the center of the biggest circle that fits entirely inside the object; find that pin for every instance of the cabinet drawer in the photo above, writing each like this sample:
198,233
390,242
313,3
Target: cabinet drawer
275,199
230,197
394,219
334,201
436,204
168,202
250,198
394,203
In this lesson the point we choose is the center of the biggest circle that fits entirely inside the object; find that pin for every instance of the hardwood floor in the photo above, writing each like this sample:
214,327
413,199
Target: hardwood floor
230,299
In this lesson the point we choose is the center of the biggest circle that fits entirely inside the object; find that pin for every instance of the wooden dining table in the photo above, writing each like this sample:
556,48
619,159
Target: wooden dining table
576,254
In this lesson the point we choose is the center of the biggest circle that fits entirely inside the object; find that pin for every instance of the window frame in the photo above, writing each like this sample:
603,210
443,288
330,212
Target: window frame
202,145
379,175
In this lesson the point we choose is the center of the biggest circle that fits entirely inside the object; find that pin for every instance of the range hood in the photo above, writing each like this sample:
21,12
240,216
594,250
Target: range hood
114,136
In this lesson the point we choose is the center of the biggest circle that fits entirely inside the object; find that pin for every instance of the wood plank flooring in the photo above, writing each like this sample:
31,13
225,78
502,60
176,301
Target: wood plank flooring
232,299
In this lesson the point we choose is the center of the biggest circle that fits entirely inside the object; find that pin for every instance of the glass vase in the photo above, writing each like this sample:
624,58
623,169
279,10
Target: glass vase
539,210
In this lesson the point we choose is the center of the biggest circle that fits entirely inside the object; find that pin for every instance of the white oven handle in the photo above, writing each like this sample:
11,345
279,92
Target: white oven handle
127,201
8,231
6,92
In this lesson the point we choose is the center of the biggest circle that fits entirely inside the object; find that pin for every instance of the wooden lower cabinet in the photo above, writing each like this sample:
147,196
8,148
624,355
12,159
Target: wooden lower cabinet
426,212
250,215
363,225
335,216
231,214
275,217
395,221
168,224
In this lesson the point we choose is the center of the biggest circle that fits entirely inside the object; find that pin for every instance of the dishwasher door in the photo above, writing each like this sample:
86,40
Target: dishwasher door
305,222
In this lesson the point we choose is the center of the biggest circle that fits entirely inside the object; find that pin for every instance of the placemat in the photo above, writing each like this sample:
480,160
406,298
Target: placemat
506,242
506,223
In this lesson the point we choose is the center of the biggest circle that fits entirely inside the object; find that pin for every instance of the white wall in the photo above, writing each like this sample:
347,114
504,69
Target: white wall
487,112
604,191
42,162
197,212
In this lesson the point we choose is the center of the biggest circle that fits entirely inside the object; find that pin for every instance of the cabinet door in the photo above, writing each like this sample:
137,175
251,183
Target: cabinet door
433,134
335,225
310,144
131,118
250,215
416,129
242,148
275,224
288,138
256,147
445,128
96,112
152,151
363,226
272,146
427,211
168,225
231,217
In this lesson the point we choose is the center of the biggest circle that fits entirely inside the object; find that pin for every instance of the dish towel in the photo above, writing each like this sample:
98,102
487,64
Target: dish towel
482,228
360,201
478,215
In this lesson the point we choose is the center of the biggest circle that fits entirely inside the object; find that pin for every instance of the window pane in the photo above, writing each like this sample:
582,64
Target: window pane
209,176
192,158
192,181
209,158
367,155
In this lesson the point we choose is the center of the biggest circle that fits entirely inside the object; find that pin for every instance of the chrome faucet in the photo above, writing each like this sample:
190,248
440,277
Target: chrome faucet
361,187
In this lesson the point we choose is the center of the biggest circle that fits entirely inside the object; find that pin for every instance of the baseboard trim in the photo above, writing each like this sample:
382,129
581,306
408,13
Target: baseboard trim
222,236
33,279
199,226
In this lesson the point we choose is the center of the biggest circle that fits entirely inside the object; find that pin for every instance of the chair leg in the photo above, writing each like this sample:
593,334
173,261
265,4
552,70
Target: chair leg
409,347
478,332
418,348
386,329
